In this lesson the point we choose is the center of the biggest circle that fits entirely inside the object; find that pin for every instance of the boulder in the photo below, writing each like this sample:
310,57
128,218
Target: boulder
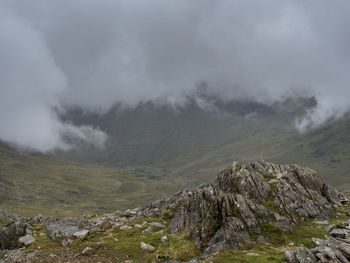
63,227
10,234
341,233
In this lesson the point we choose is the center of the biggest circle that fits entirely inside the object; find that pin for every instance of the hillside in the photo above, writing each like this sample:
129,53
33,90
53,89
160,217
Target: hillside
154,150
192,142
251,212
34,183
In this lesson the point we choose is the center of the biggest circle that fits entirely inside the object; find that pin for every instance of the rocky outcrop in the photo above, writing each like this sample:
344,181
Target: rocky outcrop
223,214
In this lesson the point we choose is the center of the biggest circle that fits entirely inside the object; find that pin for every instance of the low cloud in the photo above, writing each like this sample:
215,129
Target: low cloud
31,85
93,54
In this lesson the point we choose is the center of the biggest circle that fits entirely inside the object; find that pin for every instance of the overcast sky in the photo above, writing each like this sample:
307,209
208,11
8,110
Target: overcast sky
93,54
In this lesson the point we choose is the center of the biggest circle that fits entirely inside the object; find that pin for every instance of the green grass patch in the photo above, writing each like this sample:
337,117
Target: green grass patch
125,245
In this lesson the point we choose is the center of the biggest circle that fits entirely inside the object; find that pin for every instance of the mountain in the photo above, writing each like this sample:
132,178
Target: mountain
250,212
193,141
153,150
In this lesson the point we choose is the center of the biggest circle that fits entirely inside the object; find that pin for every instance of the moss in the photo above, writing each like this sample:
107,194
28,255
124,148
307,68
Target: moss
166,214
217,225
42,242
301,234
265,253
3,221
270,204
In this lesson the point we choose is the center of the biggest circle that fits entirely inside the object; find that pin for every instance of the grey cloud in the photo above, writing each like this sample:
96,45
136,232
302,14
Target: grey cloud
31,84
96,53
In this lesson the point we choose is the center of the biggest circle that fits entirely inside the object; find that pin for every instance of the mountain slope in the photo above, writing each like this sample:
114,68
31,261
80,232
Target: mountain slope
34,183
193,142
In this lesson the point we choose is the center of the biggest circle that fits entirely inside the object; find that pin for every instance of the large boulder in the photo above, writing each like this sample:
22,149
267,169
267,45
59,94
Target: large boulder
11,233
222,214
63,228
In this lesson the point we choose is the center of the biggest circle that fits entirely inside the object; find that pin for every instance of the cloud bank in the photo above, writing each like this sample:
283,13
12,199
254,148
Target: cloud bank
93,54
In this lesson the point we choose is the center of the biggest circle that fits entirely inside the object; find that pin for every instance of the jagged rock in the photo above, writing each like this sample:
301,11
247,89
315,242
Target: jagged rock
330,227
10,234
147,247
66,242
222,214
300,255
27,240
342,233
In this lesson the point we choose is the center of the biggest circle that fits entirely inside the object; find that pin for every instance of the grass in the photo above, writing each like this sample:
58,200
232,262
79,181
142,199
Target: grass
38,184
117,246
277,242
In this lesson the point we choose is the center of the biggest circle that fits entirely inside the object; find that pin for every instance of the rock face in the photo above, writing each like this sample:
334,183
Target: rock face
222,215
10,235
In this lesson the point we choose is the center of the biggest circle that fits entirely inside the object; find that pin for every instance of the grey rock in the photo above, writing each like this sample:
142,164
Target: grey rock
165,239
66,242
341,233
147,247
125,228
81,234
156,224
273,181
27,240
147,230
87,250
304,255
64,227
10,234
300,255
330,227
346,223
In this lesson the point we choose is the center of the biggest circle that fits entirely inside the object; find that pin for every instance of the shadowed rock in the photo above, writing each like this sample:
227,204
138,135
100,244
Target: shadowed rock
10,234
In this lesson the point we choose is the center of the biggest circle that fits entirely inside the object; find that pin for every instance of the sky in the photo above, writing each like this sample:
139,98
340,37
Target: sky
93,54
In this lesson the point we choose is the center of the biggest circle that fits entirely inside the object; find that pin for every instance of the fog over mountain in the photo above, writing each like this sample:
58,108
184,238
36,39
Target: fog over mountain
93,54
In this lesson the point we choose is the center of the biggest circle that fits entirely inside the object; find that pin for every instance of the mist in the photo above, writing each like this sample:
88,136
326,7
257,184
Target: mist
93,54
